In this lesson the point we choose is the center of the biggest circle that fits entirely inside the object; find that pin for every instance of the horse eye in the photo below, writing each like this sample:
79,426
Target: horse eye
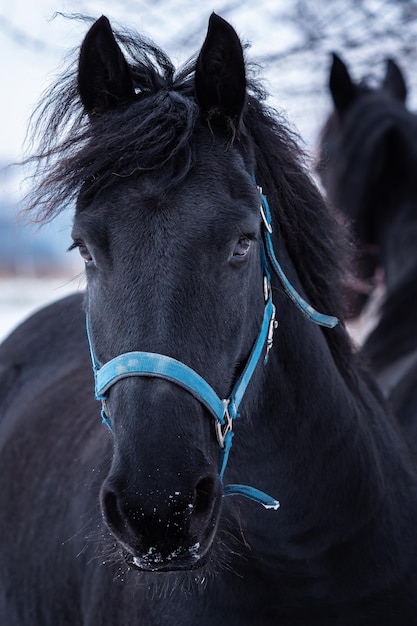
242,247
84,252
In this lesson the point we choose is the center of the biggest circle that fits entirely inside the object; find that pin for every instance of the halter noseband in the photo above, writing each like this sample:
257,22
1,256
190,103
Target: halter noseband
225,410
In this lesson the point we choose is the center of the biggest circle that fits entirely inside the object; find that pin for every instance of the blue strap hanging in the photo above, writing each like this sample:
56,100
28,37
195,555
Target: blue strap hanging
319,318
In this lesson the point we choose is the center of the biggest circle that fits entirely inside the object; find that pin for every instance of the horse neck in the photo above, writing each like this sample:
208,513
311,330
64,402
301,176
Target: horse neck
398,258
392,344
397,249
327,452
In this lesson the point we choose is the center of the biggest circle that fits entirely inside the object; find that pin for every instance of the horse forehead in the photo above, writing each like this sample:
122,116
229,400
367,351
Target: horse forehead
206,199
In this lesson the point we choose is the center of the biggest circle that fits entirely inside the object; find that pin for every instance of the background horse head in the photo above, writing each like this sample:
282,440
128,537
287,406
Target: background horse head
368,160
365,163
185,263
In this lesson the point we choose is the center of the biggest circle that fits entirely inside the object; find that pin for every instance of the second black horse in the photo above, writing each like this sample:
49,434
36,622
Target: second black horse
368,164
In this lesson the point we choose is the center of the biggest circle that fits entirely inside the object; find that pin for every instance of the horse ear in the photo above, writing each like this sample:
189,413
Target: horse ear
394,81
104,78
220,79
341,86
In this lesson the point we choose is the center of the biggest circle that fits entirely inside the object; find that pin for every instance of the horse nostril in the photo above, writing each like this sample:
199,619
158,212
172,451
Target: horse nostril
203,496
111,511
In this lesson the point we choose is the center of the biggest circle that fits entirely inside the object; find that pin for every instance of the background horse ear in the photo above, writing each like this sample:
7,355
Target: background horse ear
104,78
394,81
341,86
220,79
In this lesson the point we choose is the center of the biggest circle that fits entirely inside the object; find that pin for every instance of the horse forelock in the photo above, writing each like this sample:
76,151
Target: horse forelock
152,133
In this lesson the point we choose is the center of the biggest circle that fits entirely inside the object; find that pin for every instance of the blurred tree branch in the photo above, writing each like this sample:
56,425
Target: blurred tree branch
364,31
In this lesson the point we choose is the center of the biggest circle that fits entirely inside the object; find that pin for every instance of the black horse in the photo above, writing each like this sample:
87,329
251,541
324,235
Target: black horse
145,525
368,163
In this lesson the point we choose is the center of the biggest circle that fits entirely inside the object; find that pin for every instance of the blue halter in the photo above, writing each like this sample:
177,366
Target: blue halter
225,410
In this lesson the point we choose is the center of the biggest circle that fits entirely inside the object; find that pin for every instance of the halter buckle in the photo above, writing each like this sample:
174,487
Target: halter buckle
223,429
267,288
265,220
273,324
105,408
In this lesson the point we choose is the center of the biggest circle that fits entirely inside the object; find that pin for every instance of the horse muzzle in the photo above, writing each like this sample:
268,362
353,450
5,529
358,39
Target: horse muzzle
164,521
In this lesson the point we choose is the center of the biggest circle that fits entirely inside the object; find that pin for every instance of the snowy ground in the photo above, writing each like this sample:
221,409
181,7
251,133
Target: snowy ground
19,297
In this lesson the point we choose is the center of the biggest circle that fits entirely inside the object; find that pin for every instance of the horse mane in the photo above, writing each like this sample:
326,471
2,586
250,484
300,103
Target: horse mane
156,133
317,243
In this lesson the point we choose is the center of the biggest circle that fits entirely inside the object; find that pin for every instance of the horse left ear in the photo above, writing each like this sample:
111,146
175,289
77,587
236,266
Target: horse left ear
104,78
341,86
394,81
220,79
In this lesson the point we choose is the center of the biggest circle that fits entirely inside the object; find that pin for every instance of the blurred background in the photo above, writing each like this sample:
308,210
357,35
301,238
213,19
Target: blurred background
290,39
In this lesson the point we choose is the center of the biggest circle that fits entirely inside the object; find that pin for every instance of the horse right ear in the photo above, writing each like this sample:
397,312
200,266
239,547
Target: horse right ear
341,86
104,78
220,79
394,81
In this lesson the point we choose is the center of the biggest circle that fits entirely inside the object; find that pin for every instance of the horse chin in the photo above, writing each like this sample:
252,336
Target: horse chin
155,562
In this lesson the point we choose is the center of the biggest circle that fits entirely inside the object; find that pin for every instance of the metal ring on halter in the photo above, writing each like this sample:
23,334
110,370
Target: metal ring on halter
223,429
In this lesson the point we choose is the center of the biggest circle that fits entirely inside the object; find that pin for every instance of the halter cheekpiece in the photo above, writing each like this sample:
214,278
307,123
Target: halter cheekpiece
225,410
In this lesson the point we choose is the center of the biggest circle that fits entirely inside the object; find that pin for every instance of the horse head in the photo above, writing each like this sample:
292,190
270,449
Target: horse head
186,261
173,270
366,157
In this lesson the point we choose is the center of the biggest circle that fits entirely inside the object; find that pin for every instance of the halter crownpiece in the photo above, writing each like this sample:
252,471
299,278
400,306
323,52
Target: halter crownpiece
319,318
223,410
